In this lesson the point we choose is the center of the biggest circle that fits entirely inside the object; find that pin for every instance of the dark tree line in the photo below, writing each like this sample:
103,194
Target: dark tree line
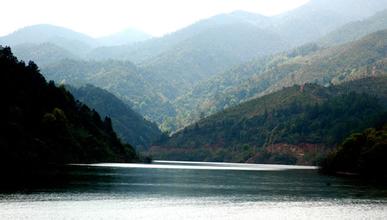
43,123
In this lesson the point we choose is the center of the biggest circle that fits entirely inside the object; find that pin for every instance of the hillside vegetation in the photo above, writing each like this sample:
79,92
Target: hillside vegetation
310,116
362,153
42,123
210,65
130,126
42,54
212,51
356,30
307,64
139,89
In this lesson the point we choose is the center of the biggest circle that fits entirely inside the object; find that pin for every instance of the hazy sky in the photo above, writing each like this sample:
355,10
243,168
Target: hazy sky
102,17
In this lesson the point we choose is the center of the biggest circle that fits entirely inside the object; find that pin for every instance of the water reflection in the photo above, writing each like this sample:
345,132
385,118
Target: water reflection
164,185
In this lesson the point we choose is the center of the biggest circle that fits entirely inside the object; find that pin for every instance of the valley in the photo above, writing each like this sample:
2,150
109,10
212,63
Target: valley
190,109
235,87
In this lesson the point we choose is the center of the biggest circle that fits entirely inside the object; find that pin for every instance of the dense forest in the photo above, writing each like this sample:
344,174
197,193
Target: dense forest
309,63
43,123
237,86
130,126
215,63
362,153
311,118
141,90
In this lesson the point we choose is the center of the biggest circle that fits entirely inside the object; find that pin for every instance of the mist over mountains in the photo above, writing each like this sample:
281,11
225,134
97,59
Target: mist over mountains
208,66
237,86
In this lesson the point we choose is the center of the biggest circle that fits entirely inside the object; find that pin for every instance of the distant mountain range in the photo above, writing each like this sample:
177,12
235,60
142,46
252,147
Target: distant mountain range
141,90
43,53
128,36
74,42
309,63
319,17
307,23
236,87
355,30
214,63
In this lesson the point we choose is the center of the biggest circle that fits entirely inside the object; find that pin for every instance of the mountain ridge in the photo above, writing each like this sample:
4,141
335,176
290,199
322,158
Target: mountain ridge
130,126
308,117
309,63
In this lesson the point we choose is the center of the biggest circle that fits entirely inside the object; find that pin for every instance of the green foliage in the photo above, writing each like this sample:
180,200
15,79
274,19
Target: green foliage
139,89
130,126
315,115
44,124
198,69
306,64
361,153
212,51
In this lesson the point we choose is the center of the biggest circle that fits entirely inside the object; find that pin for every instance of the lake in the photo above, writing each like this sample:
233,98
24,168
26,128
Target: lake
184,190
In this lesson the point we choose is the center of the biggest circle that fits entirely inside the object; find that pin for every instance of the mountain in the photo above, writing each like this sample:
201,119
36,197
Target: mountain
211,52
309,63
47,44
356,30
319,17
295,125
76,43
128,36
43,124
357,59
195,56
299,26
140,89
42,54
200,50
217,93
143,51
216,62
130,126
351,9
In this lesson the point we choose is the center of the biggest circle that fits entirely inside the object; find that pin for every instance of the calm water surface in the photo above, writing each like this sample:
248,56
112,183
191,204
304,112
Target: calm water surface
182,190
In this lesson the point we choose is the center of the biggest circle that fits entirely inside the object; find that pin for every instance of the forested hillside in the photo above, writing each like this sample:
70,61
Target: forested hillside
42,54
130,126
213,51
309,63
218,62
214,45
356,30
42,123
140,89
295,125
